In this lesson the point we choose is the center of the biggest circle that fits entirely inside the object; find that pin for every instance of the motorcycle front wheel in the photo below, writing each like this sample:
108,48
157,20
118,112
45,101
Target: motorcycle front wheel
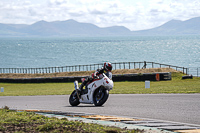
73,99
100,96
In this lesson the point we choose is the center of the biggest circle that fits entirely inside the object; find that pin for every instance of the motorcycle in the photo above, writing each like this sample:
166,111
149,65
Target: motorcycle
96,92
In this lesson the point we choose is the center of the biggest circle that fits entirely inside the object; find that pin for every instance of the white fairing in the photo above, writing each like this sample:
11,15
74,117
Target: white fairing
104,81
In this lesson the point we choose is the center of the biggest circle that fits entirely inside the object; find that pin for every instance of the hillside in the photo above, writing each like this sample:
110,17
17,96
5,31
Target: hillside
175,27
72,28
61,28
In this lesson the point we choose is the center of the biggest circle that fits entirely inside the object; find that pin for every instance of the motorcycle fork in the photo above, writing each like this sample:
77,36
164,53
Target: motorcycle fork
77,94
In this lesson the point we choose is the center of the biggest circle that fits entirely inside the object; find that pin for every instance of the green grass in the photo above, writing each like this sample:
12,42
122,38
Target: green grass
176,85
12,121
20,89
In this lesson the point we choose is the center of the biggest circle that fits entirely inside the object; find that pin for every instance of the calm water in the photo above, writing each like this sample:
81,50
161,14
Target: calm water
49,52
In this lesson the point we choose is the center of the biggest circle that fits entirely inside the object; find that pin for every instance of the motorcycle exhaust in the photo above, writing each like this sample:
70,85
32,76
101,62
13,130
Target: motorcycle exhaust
76,85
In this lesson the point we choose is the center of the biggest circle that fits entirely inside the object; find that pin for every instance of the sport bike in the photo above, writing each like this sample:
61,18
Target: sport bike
96,92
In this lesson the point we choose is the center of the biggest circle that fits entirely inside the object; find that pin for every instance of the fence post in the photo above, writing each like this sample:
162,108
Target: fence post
145,65
186,70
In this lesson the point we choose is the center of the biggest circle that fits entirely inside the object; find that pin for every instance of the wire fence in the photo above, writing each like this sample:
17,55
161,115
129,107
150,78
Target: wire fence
119,65
194,71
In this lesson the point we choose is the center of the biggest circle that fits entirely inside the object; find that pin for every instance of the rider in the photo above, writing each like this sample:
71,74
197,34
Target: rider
107,68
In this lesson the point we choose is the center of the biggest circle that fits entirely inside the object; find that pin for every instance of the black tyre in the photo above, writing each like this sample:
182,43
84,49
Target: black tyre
100,96
73,99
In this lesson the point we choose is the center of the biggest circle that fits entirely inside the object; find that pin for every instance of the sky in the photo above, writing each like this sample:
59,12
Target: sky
133,14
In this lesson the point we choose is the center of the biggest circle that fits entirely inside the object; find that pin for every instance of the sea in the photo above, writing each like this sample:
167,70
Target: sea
15,52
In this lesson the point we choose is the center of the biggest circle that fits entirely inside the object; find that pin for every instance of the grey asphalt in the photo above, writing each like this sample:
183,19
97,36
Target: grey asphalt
184,108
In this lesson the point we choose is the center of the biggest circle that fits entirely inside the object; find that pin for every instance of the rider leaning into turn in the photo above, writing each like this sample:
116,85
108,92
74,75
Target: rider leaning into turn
107,68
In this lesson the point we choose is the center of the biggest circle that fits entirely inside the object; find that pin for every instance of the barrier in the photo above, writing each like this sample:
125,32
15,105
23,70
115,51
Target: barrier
187,77
119,77
157,76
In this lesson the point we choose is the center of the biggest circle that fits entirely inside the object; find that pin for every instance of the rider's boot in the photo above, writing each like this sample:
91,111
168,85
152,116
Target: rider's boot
87,80
81,86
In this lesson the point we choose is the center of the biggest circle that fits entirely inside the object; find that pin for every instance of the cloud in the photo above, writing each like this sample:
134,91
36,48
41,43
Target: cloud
57,2
140,15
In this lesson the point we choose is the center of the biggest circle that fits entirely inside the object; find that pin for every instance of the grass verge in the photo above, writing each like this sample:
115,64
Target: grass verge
12,121
176,85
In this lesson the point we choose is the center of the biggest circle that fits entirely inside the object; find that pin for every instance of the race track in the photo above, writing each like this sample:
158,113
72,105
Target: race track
183,108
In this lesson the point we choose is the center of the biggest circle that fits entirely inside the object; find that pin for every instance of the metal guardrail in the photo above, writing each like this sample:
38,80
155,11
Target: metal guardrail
119,65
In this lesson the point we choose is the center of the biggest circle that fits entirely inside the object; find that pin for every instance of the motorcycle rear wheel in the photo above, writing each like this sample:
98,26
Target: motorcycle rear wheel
100,97
73,99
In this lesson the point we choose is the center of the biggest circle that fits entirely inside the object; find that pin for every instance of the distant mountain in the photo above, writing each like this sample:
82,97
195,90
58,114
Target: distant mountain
61,28
175,27
71,27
